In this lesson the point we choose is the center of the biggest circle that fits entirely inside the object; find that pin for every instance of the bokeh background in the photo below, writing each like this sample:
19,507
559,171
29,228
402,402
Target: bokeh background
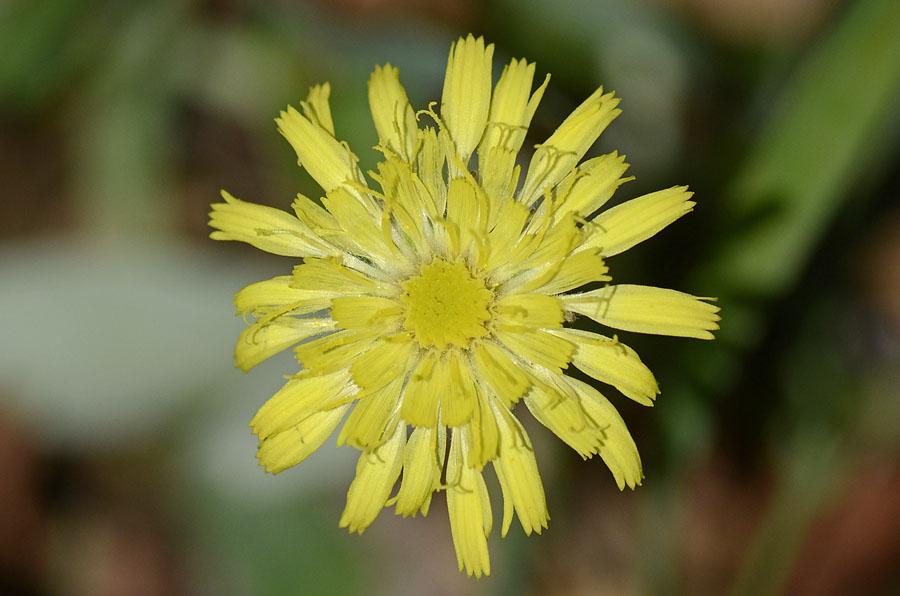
772,457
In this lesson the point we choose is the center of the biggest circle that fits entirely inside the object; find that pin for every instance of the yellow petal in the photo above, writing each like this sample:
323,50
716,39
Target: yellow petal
265,296
517,471
511,107
519,312
376,474
431,165
540,347
388,358
278,295
317,218
592,184
481,434
408,203
362,227
298,399
506,234
647,309
331,353
618,450
466,213
266,228
458,397
329,162
506,257
316,107
575,271
469,508
499,175
394,118
466,99
330,278
291,446
503,376
612,362
557,156
265,339
423,462
369,424
618,229
533,266
557,406
360,312
420,399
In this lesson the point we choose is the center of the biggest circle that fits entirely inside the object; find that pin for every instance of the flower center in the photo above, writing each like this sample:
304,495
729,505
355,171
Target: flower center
445,305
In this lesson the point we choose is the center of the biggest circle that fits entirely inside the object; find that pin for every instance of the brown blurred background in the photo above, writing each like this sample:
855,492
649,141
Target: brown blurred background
772,458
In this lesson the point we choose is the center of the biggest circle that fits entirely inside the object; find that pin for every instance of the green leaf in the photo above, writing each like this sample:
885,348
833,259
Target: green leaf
821,138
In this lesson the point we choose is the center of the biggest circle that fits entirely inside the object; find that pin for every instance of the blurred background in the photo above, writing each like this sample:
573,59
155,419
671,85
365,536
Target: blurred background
772,457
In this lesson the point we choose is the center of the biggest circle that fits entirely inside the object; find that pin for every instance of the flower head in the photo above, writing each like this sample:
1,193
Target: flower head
429,304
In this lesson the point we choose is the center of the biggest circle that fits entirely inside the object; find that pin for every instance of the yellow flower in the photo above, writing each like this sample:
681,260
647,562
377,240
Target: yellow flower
429,305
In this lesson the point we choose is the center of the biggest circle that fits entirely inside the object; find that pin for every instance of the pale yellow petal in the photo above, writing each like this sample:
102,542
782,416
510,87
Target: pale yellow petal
330,163
316,107
506,257
369,424
422,393
458,396
499,175
612,362
591,185
481,434
518,312
534,265
505,235
469,508
517,471
362,228
392,113
557,406
466,98
430,161
466,214
298,399
376,474
331,278
646,309
292,445
266,228
512,107
540,347
267,338
408,203
317,218
618,450
423,462
360,312
265,296
575,271
557,156
388,358
279,296
618,229
494,366
333,352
